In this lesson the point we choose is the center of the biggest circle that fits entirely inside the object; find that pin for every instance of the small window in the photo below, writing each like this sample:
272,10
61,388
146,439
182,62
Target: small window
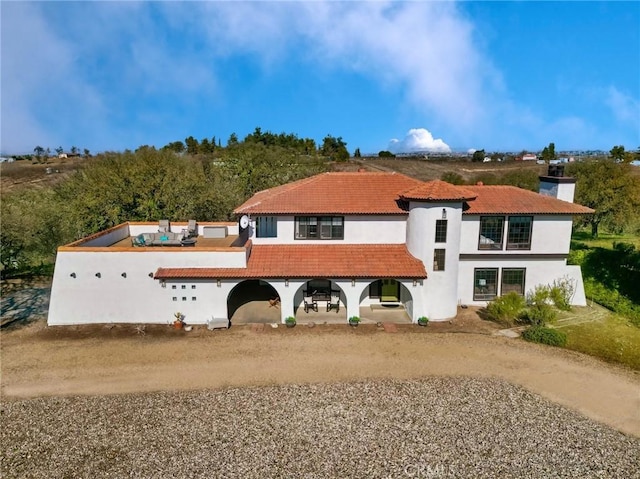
193,286
512,281
485,281
438,259
193,298
184,298
173,286
519,235
175,298
266,227
491,231
184,286
441,231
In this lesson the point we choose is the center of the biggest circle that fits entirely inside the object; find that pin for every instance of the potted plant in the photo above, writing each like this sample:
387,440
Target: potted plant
423,321
354,320
290,322
179,321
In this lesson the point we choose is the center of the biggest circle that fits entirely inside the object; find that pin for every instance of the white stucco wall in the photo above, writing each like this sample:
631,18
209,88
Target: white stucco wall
538,272
441,290
136,298
550,234
358,229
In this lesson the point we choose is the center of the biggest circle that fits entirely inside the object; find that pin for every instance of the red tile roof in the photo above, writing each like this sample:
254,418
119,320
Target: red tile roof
381,193
438,190
502,199
334,193
315,261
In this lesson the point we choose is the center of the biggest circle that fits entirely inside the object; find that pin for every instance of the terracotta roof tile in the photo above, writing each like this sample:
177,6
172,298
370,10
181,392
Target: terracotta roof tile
438,190
315,261
333,193
502,199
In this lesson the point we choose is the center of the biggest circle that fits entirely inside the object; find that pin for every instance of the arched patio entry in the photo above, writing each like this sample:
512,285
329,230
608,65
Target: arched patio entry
386,299
253,301
320,300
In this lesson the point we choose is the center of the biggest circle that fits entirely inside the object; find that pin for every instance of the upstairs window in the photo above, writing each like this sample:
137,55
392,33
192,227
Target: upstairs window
441,231
266,227
491,231
519,235
319,227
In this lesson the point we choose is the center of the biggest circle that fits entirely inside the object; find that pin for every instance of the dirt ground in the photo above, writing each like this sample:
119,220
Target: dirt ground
111,359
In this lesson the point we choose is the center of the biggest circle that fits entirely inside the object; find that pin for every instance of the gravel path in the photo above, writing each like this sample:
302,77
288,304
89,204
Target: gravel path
435,427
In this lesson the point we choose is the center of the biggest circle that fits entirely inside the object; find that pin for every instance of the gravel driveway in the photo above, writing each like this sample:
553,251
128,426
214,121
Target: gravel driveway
435,427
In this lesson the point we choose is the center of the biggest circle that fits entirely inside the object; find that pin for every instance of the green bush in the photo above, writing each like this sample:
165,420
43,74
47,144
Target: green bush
561,292
539,314
506,309
542,335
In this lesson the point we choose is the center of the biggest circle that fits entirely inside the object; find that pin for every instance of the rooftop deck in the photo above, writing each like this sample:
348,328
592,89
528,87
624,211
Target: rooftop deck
230,241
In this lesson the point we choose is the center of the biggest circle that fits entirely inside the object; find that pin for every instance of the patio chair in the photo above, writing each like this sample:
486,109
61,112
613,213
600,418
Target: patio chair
334,303
309,303
163,226
192,229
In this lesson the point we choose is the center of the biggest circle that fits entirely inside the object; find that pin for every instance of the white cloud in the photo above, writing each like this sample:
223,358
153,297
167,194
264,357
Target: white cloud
624,108
418,139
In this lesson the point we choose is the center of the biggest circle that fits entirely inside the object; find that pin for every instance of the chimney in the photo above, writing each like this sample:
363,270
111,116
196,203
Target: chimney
557,185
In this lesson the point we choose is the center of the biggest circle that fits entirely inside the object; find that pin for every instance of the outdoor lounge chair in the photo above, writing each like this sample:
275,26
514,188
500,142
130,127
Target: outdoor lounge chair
334,303
192,229
309,303
163,226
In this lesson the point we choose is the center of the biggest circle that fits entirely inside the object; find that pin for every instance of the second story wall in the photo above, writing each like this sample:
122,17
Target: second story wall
549,234
356,229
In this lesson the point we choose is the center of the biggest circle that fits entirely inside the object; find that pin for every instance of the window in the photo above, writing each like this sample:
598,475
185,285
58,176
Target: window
491,228
193,286
266,227
184,286
184,298
193,298
438,259
512,280
173,286
319,227
441,231
519,236
175,298
485,284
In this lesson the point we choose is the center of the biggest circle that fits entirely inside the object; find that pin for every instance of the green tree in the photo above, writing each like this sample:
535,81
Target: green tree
478,156
175,146
192,145
87,153
611,189
453,178
334,148
233,140
74,150
356,154
205,147
59,150
386,154
617,153
549,153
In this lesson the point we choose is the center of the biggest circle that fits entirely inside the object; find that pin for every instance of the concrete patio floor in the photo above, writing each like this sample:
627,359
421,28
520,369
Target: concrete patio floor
263,312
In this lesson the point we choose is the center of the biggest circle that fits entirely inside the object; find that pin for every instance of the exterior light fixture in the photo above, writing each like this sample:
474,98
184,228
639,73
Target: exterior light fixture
98,275
163,283
286,282
73,275
444,214
124,275
353,282
415,283
150,275
219,283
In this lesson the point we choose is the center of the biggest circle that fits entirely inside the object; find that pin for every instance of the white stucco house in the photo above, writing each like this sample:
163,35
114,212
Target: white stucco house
346,240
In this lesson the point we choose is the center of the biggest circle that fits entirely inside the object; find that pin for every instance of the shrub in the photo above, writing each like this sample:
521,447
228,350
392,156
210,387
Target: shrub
506,309
539,314
561,292
542,335
423,321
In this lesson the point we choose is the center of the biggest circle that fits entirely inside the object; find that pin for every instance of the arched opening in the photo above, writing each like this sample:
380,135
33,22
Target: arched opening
320,300
387,300
253,301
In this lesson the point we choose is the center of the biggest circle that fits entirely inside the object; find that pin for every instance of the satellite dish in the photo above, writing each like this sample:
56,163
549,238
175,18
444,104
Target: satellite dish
244,221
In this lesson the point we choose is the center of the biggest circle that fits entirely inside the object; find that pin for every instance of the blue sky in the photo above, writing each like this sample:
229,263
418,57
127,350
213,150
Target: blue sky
381,75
